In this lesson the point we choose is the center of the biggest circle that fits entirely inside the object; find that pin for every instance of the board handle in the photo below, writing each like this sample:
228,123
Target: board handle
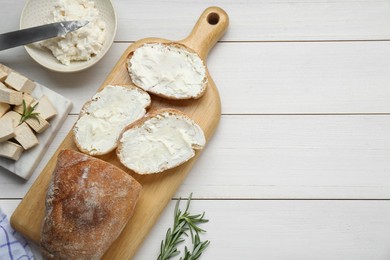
210,27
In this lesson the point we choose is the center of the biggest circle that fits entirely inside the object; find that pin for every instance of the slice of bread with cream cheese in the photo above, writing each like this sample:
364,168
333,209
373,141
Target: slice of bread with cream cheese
161,140
169,70
103,118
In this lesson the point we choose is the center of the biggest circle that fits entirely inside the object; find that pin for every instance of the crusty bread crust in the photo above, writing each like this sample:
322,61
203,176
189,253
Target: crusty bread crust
88,203
178,45
83,112
139,123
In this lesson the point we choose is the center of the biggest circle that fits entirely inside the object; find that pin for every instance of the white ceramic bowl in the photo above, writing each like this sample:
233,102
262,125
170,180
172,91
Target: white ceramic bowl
36,12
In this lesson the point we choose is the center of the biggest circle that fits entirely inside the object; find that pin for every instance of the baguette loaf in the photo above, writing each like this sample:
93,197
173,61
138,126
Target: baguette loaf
169,70
88,203
160,141
103,118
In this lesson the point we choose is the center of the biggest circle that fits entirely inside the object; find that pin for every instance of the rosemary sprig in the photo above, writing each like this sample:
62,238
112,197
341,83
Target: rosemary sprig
183,221
199,247
28,112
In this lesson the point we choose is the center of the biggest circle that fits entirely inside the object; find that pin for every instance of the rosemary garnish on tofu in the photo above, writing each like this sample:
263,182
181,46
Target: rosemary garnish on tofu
28,112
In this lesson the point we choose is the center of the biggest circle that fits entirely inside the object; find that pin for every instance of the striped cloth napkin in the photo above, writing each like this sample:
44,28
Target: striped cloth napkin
12,245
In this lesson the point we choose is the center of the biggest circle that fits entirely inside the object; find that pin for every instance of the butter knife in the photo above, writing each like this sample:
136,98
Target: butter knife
39,33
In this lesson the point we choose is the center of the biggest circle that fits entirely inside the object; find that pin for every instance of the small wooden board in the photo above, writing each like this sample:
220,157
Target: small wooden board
158,189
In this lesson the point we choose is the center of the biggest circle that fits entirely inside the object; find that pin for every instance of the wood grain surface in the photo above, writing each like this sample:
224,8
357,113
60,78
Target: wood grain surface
281,229
158,189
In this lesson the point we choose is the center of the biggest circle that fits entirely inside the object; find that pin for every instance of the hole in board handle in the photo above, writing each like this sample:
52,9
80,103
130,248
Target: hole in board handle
213,18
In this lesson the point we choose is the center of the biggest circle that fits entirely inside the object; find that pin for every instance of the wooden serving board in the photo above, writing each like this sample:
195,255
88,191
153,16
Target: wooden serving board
158,189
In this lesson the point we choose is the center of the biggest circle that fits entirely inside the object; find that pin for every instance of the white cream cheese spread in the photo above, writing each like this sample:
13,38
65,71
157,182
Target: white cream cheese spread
83,43
106,115
162,142
169,70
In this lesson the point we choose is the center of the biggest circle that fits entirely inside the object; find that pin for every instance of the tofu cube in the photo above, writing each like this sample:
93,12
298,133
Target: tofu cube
4,108
38,124
29,101
7,129
10,96
3,75
15,117
25,136
45,108
10,150
20,83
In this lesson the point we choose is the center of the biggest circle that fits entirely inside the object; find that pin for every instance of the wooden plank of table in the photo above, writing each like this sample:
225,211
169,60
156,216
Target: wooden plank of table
260,20
251,20
261,78
295,157
274,229
279,157
302,78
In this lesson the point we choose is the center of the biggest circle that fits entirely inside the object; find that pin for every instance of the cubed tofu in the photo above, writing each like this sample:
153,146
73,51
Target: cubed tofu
7,129
25,136
29,101
11,150
38,124
3,75
14,116
4,108
20,83
45,108
10,96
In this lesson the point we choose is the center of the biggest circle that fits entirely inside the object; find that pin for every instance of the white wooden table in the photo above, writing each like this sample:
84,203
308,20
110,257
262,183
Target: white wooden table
299,167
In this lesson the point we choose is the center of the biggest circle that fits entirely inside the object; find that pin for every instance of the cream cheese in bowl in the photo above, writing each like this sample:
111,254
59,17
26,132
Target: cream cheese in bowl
83,43
80,49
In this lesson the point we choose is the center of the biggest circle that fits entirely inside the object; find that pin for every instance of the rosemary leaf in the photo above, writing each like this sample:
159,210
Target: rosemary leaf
184,221
28,112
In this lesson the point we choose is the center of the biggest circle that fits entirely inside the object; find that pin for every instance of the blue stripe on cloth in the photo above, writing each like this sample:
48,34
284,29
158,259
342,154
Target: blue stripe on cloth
2,218
9,246
12,244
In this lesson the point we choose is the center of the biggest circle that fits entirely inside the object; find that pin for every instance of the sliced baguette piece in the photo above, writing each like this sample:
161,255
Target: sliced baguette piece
169,70
103,118
162,140
88,203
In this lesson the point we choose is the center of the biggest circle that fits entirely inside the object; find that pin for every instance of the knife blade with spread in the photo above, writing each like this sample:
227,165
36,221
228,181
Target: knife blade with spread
39,33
